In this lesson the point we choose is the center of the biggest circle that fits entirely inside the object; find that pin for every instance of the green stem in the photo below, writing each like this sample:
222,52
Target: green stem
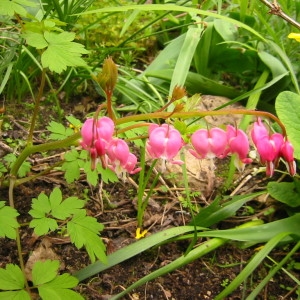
42,148
200,113
18,238
36,108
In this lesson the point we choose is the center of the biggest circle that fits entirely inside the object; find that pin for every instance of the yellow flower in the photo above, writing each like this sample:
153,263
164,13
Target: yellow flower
139,234
295,36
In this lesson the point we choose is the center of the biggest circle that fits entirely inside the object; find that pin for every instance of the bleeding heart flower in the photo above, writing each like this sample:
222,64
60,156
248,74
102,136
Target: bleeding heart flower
120,158
287,153
96,135
209,143
268,146
238,143
164,142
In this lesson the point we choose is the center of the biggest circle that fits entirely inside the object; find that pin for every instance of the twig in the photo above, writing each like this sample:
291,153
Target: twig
275,9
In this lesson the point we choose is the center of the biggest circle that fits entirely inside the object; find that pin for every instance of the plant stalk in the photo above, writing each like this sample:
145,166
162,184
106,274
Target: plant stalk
36,108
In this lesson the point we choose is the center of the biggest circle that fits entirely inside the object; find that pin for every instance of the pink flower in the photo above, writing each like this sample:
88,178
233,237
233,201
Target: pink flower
287,153
259,131
93,130
120,158
268,146
96,135
209,143
238,143
164,142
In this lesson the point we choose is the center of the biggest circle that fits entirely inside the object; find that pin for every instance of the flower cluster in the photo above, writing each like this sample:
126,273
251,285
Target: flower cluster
272,147
165,142
97,138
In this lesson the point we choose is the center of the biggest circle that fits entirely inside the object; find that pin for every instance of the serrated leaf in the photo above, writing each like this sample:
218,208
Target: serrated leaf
64,281
53,286
50,293
11,7
62,52
55,198
68,207
25,167
107,175
8,222
43,225
15,295
35,39
72,170
74,121
84,231
44,271
40,206
11,278
58,131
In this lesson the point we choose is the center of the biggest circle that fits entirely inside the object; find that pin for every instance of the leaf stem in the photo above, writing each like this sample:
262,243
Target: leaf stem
36,107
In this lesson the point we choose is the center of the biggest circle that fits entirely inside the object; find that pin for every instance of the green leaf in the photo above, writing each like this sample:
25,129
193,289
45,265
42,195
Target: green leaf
40,206
287,108
11,278
62,52
55,206
8,221
67,208
15,295
71,166
43,225
217,211
285,192
25,167
49,293
53,286
84,231
74,121
44,271
11,7
58,131
2,169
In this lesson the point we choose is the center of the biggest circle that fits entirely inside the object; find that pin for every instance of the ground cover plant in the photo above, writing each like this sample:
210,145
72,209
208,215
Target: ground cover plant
141,138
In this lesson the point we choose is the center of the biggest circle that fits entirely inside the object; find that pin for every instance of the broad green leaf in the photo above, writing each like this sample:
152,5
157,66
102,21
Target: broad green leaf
53,286
67,207
11,278
8,221
59,131
62,52
40,206
11,7
49,293
71,166
72,170
287,108
35,39
55,198
44,271
43,225
84,231
15,295
285,192
64,281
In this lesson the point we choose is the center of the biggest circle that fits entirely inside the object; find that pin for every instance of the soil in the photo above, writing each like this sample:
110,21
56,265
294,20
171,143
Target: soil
114,206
